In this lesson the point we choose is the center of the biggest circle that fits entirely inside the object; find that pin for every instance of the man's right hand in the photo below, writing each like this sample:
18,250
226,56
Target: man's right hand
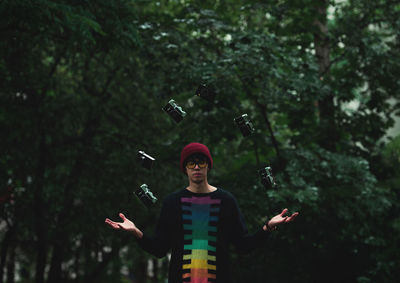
126,225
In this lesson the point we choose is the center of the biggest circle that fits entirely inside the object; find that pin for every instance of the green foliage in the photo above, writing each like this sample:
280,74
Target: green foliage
83,85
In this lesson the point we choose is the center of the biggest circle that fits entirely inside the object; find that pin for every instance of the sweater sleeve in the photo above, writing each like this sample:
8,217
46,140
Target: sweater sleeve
160,242
240,237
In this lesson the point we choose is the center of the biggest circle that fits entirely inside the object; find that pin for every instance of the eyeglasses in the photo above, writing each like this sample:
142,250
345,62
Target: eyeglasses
192,163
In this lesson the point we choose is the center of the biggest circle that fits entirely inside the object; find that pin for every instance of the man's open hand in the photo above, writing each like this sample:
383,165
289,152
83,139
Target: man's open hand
125,225
279,219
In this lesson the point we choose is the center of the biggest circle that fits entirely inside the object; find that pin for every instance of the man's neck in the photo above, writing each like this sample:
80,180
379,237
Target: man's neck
201,188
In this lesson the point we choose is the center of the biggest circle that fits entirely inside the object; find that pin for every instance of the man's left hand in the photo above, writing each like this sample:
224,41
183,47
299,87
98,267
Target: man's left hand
279,219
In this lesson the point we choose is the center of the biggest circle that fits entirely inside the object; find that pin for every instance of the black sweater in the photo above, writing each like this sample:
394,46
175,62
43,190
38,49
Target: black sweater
199,228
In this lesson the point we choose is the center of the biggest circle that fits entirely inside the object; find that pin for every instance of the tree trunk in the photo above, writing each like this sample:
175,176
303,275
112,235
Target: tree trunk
39,213
98,270
155,270
11,263
61,233
328,130
4,250
40,222
141,270
63,219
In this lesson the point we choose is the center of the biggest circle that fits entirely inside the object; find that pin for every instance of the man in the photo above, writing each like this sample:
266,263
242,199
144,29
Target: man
198,224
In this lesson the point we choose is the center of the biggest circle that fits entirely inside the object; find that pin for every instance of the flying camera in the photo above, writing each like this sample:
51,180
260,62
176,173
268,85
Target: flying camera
267,179
244,124
205,92
146,160
145,196
174,111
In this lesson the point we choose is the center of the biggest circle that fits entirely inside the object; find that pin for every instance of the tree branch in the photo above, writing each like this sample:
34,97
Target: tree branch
263,111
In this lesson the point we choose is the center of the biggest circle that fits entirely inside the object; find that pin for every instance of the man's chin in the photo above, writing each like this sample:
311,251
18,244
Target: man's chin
198,181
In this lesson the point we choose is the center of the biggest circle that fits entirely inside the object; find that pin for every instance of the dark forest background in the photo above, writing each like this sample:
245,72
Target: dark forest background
82,86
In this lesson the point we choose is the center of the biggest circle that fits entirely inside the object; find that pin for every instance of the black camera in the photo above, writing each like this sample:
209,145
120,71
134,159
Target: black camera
146,160
145,196
267,179
244,124
174,111
205,92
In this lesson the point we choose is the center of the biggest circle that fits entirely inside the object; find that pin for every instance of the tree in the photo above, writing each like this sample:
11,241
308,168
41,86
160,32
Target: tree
82,91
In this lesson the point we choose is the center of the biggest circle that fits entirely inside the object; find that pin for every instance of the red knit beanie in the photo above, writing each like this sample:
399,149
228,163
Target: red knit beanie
193,148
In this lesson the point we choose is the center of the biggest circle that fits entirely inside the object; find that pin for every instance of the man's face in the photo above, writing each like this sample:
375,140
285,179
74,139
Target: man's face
197,168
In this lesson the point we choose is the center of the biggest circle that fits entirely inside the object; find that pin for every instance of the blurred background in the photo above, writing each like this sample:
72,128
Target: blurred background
82,87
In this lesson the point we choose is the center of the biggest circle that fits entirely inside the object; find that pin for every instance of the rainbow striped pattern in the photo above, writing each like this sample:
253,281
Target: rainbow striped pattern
200,218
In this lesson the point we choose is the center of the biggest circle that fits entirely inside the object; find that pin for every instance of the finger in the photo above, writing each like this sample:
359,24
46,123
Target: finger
293,216
284,211
115,225
112,224
122,216
289,219
108,221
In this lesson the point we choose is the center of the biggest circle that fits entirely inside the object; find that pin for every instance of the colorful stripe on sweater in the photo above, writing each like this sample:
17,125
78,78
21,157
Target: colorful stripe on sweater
200,218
